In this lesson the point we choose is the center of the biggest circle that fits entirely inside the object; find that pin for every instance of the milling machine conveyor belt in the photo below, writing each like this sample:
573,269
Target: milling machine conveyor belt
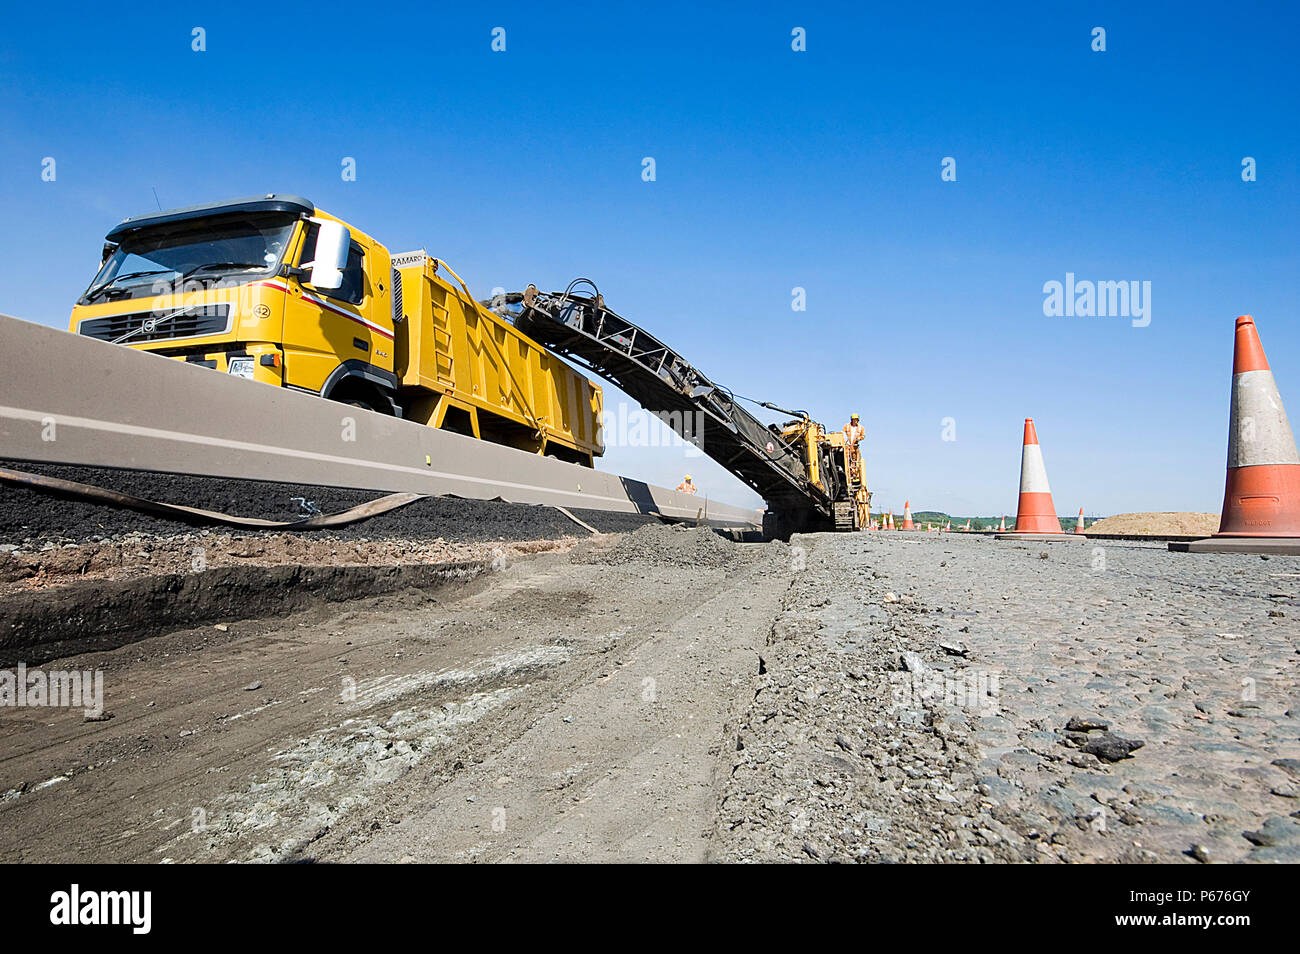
580,328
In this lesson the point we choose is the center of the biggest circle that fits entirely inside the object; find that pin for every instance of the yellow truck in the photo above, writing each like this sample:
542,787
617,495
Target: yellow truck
273,289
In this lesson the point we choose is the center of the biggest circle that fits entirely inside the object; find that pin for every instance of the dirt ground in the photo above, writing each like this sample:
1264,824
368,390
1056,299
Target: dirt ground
476,721
1175,523
139,554
669,695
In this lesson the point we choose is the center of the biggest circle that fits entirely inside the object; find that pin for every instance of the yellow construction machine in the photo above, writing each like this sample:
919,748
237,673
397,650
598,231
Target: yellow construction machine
809,478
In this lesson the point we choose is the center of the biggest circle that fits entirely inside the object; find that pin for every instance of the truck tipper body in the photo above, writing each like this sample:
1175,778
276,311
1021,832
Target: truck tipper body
273,289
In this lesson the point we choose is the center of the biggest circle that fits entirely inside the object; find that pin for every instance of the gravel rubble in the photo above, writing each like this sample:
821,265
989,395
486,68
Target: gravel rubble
662,545
866,741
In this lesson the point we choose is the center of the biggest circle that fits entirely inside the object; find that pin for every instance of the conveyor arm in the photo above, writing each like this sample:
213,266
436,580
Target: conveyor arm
579,327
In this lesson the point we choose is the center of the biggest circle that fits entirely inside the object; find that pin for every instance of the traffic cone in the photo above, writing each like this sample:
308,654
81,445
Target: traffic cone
907,515
1035,512
1262,495
1002,524
890,524
967,527
1078,527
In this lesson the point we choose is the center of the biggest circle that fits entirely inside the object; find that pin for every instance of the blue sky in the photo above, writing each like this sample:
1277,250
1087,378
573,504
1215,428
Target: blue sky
775,169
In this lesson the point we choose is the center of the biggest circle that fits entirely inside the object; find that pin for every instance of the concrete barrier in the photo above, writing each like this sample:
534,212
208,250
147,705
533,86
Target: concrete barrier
71,399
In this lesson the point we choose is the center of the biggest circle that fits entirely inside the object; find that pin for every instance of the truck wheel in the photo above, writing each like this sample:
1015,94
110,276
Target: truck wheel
358,397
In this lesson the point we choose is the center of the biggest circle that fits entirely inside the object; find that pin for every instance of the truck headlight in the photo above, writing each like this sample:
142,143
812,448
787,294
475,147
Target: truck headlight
240,367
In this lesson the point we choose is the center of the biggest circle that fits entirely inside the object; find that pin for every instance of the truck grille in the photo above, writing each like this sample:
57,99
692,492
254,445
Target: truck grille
190,323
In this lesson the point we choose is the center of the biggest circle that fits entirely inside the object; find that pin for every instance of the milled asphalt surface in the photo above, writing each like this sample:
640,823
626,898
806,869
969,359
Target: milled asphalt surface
31,516
669,695
845,755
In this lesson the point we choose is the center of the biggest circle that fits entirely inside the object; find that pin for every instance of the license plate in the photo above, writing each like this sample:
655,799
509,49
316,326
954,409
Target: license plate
241,367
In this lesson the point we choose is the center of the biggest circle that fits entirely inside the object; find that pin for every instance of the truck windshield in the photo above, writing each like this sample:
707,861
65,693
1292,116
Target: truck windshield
204,250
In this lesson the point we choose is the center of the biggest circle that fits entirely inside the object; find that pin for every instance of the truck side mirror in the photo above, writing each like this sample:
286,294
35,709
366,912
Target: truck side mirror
332,243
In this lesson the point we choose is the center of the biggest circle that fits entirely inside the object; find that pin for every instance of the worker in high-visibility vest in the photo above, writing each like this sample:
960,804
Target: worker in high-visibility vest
687,486
854,433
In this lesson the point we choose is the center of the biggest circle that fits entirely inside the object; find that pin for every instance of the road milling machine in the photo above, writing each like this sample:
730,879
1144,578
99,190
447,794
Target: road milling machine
809,479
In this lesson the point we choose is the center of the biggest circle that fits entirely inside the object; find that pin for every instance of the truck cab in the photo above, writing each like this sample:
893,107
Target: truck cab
268,288
273,289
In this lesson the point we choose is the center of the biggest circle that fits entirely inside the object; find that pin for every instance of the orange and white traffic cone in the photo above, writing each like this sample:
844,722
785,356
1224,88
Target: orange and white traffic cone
967,527
1002,524
890,525
1035,512
1262,494
907,515
1078,527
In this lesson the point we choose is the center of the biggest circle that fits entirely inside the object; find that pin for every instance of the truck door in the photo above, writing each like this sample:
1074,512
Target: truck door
326,328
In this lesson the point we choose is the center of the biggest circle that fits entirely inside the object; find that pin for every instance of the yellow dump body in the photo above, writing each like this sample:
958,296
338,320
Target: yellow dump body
461,367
